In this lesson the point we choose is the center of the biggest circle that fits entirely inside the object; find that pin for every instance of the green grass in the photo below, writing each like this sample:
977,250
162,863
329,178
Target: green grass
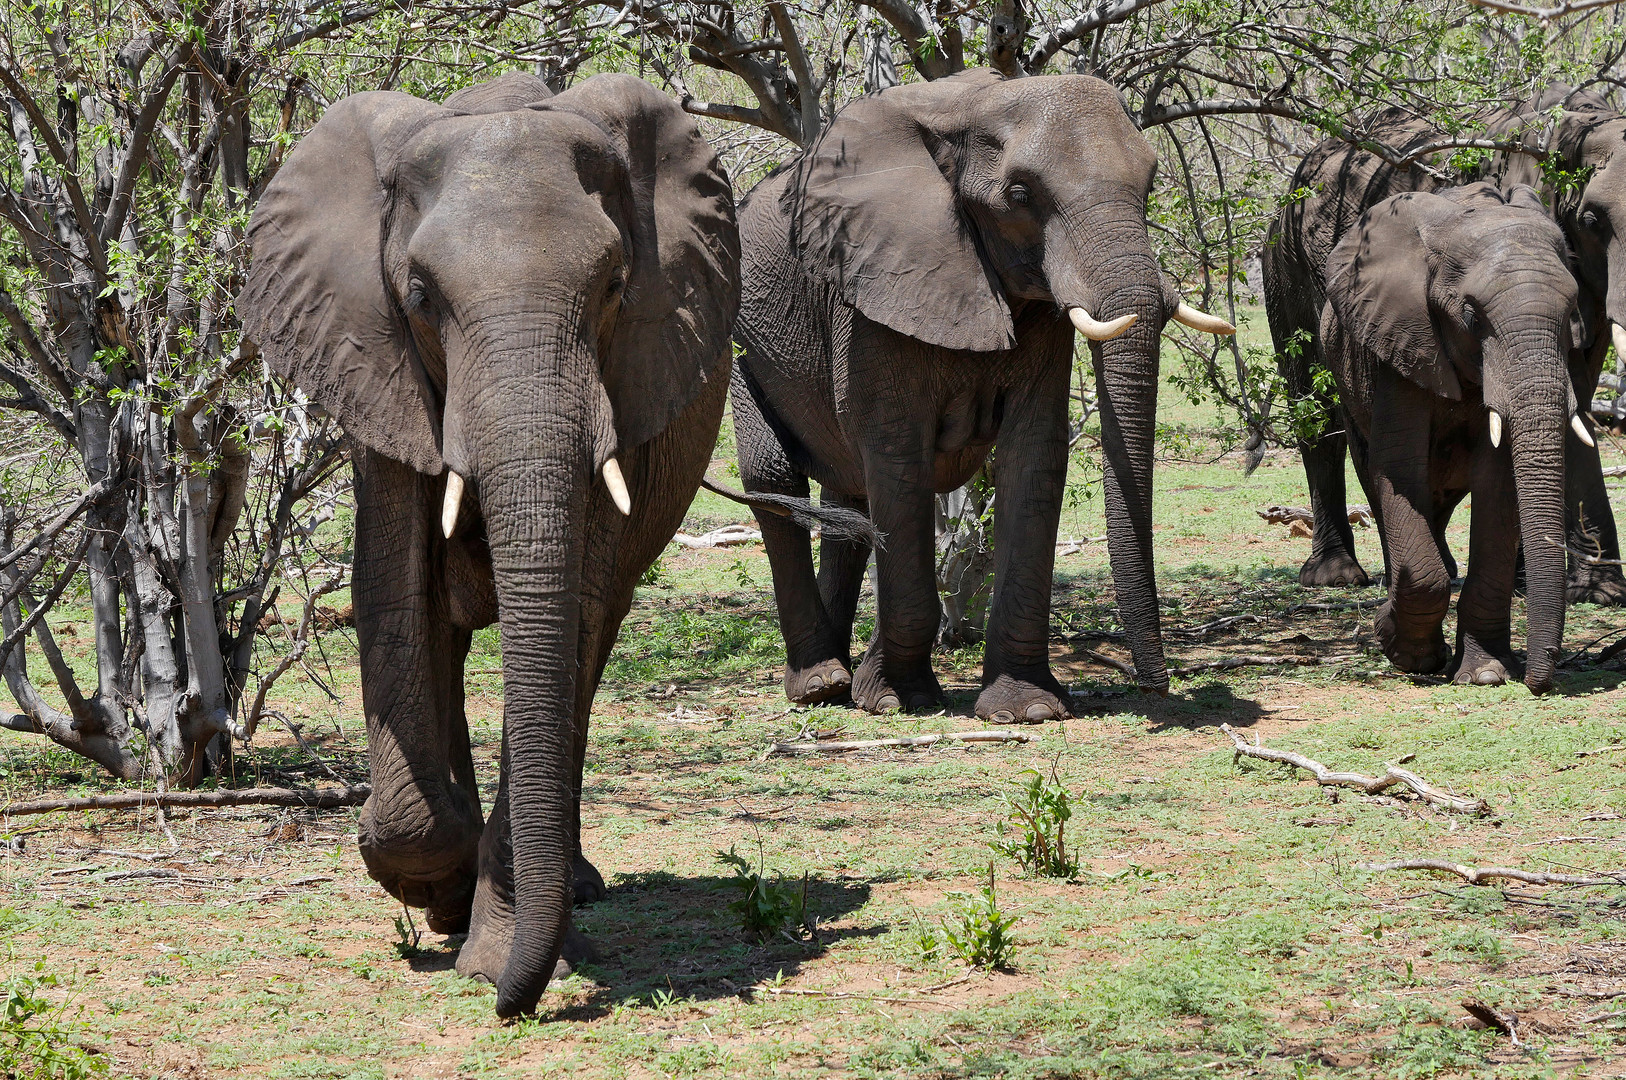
1220,922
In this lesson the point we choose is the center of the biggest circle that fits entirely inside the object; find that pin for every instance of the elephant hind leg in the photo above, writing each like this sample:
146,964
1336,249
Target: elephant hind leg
1332,558
817,663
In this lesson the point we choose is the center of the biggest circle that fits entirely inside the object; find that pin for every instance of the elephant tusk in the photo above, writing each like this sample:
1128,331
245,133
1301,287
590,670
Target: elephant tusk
617,485
1202,320
454,499
1496,428
1619,333
1580,430
1095,329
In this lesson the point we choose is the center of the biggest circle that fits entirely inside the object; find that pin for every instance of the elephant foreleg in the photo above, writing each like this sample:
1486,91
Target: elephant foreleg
420,829
1409,623
1591,528
1030,476
841,578
1484,617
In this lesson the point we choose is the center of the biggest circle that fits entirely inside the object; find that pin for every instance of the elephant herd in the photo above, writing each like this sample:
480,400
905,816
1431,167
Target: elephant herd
520,307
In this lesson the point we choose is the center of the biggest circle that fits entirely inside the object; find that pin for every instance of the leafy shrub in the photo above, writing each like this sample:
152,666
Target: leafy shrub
36,1039
980,934
1039,810
766,908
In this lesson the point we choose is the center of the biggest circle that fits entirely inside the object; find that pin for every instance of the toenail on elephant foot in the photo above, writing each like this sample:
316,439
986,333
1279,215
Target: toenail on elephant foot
1490,674
917,689
1011,700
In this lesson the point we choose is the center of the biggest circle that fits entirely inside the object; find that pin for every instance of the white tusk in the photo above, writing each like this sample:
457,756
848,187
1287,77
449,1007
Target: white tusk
1619,333
454,499
1202,320
1580,430
1096,330
1496,428
617,485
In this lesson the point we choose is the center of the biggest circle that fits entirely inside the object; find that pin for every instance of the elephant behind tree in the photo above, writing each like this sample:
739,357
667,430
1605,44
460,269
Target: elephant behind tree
913,281
1449,323
1585,138
519,310
1341,181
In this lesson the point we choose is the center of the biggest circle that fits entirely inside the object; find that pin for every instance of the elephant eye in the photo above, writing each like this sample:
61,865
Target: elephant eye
1018,195
1590,219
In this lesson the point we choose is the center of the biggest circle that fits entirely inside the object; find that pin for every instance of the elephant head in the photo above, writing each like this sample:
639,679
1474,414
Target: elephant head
1468,293
512,295
939,209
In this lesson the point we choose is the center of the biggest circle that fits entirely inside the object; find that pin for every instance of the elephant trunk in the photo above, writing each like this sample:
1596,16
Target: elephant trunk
534,466
1127,282
1537,428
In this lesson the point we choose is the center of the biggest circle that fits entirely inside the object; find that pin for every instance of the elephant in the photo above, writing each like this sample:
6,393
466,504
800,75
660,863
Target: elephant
1450,319
517,305
1583,141
912,283
1342,181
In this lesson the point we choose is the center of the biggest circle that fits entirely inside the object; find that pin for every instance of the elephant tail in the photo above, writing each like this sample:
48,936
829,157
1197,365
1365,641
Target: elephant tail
835,522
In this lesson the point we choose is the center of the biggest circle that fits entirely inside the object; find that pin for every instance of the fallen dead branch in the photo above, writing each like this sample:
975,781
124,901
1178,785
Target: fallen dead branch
1476,876
793,991
1611,748
1371,785
909,741
1110,661
1360,514
727,536
1227,663
315,798
1507,1022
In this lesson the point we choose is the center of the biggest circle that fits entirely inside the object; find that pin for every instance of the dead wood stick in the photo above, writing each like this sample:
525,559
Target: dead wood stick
814,747
1507,1022
1611,748
316,798
1370,785
1110,661
1474,875
1229,662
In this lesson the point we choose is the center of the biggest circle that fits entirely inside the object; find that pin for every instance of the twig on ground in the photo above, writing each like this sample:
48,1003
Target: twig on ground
1505,1022
316,798
726,536
1370,785
1229,662
799,992
684,715
1611,748
911,741
1110,661
1475,876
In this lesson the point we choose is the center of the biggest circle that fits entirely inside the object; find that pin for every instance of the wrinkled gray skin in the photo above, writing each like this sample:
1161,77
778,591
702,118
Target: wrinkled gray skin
1441,308
515,289
1344,182
1588,138
905,285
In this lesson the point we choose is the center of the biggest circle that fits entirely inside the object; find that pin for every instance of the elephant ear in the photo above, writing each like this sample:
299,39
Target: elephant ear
1378,285
683,285
875,213
315,300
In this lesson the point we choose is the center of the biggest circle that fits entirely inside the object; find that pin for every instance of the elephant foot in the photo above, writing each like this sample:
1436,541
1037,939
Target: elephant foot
1486,663
1327,568
817,683
1601,585
1415,650
1010,699
433,868
912,691
588,887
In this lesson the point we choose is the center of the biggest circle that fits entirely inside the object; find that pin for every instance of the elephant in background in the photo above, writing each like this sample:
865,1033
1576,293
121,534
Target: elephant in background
1449,323
519,309
1343,182
1585,142
912,284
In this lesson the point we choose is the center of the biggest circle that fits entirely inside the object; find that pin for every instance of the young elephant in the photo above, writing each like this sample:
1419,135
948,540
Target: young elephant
518,307
1449,320
912,284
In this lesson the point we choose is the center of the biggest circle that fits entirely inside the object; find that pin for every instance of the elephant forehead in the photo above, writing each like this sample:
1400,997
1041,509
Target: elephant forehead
1063,116
510,150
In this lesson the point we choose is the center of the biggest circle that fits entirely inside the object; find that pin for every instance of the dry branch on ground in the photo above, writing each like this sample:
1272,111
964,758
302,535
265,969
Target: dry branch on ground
1478,876
315,798
808,746
1393,776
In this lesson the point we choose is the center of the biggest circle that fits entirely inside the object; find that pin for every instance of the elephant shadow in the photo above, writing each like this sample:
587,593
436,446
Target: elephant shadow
660,933
1206,706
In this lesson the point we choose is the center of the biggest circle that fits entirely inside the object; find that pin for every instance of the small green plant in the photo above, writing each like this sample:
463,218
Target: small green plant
36,1038
765,907
980,934
1039,812
409,934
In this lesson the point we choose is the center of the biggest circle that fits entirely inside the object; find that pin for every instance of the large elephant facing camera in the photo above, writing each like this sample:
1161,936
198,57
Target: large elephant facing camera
1449,322
519,310
912,284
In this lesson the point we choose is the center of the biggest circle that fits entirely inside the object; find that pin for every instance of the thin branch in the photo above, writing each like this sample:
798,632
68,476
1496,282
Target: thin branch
1474,876
316,798
815,747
